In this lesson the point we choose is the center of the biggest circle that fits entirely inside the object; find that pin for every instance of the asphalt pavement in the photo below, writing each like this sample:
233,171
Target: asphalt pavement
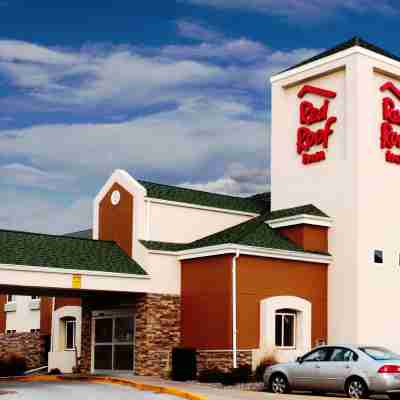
74,391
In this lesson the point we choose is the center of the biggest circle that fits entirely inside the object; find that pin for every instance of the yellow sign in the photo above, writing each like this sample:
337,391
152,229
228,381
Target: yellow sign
76,281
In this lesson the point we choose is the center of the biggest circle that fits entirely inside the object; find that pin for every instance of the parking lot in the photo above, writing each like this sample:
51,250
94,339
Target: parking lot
74,391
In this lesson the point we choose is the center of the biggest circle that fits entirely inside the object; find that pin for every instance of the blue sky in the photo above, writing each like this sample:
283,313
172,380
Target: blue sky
172,91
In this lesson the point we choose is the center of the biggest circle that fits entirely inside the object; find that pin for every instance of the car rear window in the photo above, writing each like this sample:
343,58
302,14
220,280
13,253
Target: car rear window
380,353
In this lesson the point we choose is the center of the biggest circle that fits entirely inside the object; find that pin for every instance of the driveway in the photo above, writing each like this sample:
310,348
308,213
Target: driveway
74,391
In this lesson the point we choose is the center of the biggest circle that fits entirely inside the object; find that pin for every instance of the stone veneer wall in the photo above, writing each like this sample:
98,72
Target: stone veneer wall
208,359
157,332
29,345
86,338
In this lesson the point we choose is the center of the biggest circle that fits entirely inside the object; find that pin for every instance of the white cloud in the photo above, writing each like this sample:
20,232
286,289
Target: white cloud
213,125
302,8
242,50
22,175
193,30
14,50
198,131
238,180
36,213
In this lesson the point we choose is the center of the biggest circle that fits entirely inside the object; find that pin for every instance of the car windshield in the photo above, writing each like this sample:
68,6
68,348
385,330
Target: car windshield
380,353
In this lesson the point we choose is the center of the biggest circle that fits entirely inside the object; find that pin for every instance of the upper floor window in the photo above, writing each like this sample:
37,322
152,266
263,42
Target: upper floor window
285,328
35,297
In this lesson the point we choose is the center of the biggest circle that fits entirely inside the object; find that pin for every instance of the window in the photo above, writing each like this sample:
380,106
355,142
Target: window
35,330
70,330
10,298
35,297
317,355
380,353
344,355
11,331
378,256
285,328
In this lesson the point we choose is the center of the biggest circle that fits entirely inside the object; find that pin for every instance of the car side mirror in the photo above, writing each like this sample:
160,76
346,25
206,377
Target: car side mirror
299,360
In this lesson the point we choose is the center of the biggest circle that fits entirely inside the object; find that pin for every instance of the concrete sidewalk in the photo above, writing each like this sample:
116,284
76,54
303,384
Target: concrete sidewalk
220,394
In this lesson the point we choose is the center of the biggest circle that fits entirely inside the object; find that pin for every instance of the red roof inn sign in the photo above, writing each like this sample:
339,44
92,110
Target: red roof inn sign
391,116
310,114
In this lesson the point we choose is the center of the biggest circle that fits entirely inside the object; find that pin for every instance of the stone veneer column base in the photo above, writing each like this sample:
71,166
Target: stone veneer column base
223,360
29,345
157,333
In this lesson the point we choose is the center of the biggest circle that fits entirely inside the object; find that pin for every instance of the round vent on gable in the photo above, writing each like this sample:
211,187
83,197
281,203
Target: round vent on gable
115,197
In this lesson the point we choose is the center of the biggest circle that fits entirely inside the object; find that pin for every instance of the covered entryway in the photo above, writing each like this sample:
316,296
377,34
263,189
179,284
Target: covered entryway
113,341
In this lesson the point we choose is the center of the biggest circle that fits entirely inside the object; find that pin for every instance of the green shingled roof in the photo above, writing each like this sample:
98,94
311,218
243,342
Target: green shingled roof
308,209
253,204
254,232
86,234
34,249
355,41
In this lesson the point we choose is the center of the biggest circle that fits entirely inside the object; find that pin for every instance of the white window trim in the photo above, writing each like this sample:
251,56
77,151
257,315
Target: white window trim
67,322
283,315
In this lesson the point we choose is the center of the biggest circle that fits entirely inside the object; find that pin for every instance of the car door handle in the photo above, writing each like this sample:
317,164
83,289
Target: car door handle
317,366
347,367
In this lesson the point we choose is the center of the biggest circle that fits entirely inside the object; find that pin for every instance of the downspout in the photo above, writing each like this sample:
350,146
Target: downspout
52,324
234,309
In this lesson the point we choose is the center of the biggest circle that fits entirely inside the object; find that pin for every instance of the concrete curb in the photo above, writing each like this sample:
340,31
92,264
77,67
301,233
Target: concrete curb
107,380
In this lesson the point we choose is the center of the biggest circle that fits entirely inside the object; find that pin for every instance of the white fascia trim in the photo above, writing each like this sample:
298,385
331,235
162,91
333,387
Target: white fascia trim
66,271
299,220
163,252
196,206
254,251
334,57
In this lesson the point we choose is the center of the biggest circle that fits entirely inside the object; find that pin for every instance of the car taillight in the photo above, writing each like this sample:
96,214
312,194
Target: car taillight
389,369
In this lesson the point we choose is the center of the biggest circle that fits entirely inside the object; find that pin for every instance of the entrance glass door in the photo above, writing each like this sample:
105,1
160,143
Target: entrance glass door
113,347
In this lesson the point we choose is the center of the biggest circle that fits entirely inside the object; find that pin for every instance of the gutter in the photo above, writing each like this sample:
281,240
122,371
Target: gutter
234,308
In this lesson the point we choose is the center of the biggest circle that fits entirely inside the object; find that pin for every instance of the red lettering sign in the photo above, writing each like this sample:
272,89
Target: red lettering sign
390,115
309,115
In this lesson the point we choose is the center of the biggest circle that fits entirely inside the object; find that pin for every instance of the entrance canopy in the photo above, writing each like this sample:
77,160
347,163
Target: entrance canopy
62,265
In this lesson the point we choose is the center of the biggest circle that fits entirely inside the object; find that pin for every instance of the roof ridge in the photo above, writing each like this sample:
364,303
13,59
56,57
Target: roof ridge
229,228
55,235
199,191
354,41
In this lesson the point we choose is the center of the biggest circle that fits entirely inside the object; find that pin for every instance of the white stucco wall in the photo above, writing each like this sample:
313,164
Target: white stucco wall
23,319
182,224
355,186
378,223
60,358
330,184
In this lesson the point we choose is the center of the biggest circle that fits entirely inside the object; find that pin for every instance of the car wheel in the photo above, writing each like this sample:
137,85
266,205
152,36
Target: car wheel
356,388
279,384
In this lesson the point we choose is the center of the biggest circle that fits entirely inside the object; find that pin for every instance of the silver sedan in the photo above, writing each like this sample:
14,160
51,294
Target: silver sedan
356,370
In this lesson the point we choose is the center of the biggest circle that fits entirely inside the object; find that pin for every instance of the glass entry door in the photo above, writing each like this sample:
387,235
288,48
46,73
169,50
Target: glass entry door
113,347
